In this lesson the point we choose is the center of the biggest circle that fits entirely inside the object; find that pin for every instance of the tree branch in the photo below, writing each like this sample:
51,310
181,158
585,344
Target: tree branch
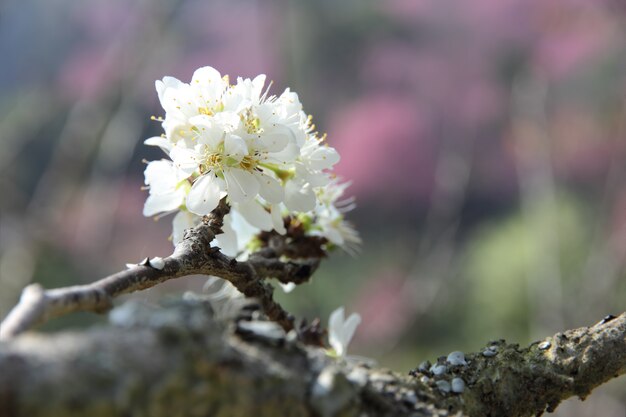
194,255
506,380
181,360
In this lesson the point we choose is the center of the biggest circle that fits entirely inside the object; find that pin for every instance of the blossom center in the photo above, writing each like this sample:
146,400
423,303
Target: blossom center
248,163
211,110
251,122
211,161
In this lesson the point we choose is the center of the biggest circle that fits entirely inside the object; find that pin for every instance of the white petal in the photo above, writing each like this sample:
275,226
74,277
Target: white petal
185,159
270,189
160,203
277,219
334,236
162,85
208,133
288,154
299,197
182,221
340,331
349,327
159,141
227,120
235,146
242,185
276,139
257,86
227,241
245,231
256,215
163,177
323,157
206,75
204,195
158,173
335,323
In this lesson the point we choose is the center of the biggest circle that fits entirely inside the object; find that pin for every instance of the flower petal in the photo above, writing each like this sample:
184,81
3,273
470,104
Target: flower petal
227,241
167,82
159,141
159,204
349,327
227,120
204,195
163,177
182,221
270,189
299,197
256,215
257,86
322,157
335,324
206,75
242,185
288,154
235,147
185,159
277,219
276,139
340,331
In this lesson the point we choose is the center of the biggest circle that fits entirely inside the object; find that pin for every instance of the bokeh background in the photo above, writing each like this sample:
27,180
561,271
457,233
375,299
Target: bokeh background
486,142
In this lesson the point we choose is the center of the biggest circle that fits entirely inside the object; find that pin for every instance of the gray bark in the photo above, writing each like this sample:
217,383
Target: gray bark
192,359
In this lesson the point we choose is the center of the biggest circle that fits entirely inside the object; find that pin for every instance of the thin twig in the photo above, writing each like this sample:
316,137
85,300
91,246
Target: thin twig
194,255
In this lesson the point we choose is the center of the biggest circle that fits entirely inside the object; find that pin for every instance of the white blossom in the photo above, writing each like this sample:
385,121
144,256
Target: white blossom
236,141
341,330
167,186
329,220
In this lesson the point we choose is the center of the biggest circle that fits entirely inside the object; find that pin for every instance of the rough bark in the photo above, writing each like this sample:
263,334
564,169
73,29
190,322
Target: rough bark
193,359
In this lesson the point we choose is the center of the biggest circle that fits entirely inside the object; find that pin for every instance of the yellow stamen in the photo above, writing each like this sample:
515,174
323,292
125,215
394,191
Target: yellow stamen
206,111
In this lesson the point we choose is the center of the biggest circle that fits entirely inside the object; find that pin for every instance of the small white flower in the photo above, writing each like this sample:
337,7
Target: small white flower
340,330
167,185
328,217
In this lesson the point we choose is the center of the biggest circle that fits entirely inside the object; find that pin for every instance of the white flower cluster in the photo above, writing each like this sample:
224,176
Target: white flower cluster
258,150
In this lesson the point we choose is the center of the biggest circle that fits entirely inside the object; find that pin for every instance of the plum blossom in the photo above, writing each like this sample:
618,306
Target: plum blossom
341,330
329,220
167,185
259,151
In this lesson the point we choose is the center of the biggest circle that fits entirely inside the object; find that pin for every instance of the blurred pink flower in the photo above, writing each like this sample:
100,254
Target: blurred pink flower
385,148
570,35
